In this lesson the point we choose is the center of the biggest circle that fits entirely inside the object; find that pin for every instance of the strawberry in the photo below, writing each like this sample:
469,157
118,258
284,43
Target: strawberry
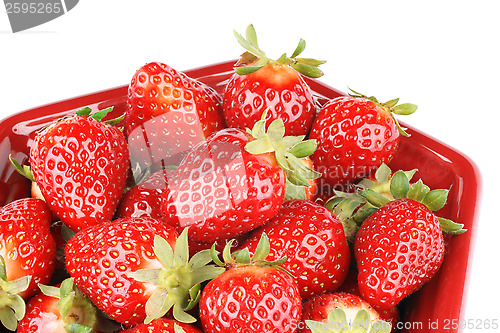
27,255
400,246
340,312
62,309
355,135
253,295
168,113
143,199
313,241
80,165
163,325
260,83
137,269
350,285
352,208
308,192
235,181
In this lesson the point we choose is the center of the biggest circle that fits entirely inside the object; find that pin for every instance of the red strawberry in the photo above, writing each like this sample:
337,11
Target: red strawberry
339,312
143,200
232,184
251,296
137,269
352,208
27,255
168,113
61,309
350,285
26,243
80,164
163,325
400,247
278,85
355,135
313,241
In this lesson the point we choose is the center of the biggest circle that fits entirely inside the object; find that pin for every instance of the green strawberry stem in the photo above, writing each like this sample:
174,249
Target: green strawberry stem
288,151
76,310
258,59
24,170
337,322
178,329
243,257
391,107
178,281
12,305
353,208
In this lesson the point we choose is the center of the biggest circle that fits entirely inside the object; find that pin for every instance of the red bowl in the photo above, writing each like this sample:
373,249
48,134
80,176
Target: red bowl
437,307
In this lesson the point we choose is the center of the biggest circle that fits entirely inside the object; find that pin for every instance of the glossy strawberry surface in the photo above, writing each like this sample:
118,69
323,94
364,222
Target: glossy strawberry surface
26,243
250,299
313,241
220,190
42,315
143,200
100,257
398,248
274,86
350,286
355,136
80,165
168,113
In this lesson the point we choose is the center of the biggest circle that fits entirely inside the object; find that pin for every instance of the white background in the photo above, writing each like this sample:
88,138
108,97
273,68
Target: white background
442,55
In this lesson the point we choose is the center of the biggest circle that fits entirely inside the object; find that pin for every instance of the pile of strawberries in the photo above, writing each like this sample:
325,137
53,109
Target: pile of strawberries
255,211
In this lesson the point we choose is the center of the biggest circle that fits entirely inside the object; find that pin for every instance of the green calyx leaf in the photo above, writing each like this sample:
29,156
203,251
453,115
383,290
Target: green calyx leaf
404,109
435,199
307,70
370,194
399,185
450,227
392,108
254,58
99,115
374,198
178,329
24,170
299,49
418,191
337,322
247,70
289,152
179,279
12,305
84,112
77,311
76,328
243,257
250,42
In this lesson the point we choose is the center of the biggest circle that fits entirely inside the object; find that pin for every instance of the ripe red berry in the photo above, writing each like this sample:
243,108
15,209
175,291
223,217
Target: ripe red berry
261,84
313,241
81,165
355,135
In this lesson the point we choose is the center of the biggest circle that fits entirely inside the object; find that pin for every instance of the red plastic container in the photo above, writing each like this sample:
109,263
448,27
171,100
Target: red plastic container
437,307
